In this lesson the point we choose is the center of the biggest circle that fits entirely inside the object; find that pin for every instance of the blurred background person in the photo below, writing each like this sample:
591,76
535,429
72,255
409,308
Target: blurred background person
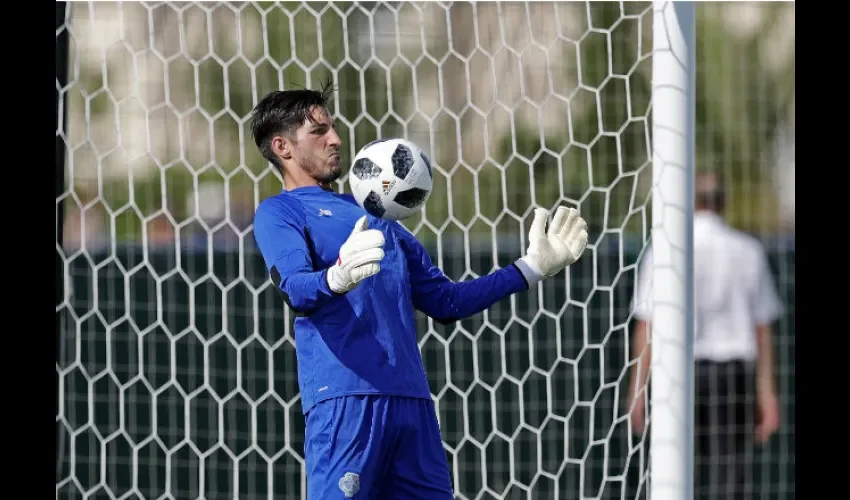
160,233
735,383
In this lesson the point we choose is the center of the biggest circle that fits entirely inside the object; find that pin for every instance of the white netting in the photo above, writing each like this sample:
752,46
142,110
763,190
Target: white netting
177,361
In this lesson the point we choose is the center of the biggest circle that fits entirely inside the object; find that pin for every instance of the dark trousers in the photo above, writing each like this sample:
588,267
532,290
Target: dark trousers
725,417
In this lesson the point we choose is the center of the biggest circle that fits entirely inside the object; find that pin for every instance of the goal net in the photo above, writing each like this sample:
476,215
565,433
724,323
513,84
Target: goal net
176,356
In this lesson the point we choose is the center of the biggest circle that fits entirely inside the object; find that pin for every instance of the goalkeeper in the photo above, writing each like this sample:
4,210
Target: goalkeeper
354,282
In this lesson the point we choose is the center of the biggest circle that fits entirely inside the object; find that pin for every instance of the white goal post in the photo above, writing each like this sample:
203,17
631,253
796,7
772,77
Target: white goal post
176,358
671,446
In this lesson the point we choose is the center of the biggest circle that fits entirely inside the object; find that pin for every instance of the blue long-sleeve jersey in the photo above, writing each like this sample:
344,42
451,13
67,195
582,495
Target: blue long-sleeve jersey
364,341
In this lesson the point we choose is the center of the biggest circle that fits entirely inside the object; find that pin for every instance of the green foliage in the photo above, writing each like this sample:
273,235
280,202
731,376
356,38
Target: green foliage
740,107
597,157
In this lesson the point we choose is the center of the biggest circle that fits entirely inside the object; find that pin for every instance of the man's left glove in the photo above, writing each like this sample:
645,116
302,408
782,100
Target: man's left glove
551,251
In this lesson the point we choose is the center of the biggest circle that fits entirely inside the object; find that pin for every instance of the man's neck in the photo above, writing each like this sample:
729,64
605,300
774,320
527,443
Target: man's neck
291,182
707,213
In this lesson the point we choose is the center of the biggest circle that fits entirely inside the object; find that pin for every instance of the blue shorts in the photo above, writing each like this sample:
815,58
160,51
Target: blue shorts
375,448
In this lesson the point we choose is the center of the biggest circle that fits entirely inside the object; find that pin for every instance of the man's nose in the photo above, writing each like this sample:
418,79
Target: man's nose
334,140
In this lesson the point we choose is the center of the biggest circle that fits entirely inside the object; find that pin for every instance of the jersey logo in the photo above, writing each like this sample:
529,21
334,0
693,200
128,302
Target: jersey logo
349,484
324,212
387,185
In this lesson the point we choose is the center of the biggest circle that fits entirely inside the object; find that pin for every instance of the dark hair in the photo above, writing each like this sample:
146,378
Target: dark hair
280,112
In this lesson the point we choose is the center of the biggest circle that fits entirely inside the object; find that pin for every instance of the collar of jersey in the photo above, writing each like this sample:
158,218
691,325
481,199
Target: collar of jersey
309,189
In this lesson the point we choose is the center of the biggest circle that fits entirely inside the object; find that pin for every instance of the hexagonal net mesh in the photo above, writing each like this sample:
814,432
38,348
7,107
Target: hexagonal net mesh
177,356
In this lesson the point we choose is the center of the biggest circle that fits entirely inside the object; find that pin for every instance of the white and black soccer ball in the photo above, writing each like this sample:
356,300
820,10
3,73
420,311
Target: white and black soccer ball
391,178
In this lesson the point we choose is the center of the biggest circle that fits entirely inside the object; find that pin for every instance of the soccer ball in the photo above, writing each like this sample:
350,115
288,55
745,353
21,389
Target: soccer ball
391,178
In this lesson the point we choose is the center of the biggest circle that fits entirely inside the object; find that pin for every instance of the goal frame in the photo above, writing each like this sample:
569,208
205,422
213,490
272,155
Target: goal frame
672,328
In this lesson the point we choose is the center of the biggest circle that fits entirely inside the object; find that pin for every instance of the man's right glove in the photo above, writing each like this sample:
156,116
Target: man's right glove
358,259
551,251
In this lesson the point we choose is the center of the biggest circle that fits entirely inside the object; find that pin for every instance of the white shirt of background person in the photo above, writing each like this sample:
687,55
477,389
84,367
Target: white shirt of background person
735,302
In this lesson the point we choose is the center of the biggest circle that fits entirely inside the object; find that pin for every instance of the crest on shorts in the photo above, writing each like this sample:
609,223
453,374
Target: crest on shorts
349,484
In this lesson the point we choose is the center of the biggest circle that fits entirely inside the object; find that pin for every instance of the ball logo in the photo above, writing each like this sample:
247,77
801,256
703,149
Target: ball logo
387,185
349,484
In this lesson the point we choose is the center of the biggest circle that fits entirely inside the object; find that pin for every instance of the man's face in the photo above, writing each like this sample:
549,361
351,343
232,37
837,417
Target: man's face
315,148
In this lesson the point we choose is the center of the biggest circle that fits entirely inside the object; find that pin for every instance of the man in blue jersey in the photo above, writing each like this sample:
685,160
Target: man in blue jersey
354,282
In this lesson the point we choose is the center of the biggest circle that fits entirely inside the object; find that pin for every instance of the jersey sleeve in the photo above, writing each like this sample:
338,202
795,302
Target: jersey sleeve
766,306
446,301
283,242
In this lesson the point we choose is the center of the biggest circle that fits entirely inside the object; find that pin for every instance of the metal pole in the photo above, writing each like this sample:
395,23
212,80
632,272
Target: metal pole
672,366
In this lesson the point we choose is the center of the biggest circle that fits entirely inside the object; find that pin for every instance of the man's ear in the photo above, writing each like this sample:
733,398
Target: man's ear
282,147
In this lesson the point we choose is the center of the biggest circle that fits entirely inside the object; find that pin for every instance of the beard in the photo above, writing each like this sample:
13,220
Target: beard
324,172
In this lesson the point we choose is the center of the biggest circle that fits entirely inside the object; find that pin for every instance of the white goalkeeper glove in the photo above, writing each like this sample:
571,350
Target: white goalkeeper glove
553,250
358,259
